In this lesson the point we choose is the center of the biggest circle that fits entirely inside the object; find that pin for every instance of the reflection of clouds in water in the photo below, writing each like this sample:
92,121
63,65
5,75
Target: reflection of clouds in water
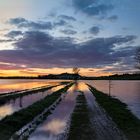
49,131
55,126
5,110
78,85
43,135
56,123
125,90
82,86
56,88
14,85
23,102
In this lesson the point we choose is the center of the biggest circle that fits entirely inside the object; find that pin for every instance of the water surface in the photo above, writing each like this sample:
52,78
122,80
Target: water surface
128,91
55,125
22,102
10,85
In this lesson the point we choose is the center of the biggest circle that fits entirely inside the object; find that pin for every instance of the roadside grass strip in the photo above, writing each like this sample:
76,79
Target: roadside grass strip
11,124
80,125
119,113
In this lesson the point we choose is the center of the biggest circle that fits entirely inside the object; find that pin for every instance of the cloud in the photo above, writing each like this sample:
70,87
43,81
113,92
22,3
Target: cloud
94,30
68,32
16,21
6,40
69,18
24,23
92,7
113,18
60,23
39,49
13,34
10,66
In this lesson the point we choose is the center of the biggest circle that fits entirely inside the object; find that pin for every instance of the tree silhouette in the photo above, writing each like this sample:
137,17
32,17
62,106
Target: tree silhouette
76,72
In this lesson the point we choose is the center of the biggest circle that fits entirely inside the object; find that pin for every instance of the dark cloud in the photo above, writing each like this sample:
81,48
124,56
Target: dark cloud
16,21
94,30
38,49
68,32
60,23
92,7
65,17
113,18
6,40
13,34
23,23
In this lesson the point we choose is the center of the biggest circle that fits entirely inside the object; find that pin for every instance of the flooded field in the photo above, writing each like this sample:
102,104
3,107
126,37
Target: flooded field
16,85
127,91
22,102
55,126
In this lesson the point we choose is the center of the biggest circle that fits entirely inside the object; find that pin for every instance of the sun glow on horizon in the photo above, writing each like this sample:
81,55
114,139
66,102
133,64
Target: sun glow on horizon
38,71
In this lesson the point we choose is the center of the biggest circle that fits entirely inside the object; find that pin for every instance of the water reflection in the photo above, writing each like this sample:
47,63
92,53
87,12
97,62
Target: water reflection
55,126
82,86
56,123
15,85
126,91
5,110
23,102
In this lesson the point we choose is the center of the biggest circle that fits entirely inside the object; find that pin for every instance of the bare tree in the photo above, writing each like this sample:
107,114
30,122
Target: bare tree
76,70
137,57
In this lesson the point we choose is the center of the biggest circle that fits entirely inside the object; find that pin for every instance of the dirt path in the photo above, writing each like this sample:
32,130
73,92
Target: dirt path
105,128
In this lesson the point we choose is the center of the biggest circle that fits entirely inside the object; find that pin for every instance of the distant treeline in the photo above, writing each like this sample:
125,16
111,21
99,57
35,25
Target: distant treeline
79,77
119,77
68,76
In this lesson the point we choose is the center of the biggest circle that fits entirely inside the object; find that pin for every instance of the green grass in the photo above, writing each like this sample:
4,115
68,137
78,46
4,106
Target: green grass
14,122
119,113
80,126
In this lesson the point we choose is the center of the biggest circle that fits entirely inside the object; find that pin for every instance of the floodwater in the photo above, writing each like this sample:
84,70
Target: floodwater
10,85
128,91
55,126
23,102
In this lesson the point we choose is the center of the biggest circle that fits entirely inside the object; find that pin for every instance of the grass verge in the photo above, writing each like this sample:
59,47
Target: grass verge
119,113
14,122
80,126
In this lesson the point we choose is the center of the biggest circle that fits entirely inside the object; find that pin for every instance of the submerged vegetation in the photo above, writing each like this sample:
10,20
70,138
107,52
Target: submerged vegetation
16,121
80,126
120,114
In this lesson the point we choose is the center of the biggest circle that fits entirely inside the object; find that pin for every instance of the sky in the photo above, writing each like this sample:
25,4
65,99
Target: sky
40,37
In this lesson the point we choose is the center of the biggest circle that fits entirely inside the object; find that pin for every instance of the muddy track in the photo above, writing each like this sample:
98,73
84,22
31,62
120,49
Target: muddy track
104,127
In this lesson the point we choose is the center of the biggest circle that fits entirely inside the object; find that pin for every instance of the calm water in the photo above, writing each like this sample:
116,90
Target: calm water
126,91
15,85
55,125
23,102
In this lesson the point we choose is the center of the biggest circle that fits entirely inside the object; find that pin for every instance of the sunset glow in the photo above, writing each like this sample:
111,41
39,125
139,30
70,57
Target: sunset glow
37,37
